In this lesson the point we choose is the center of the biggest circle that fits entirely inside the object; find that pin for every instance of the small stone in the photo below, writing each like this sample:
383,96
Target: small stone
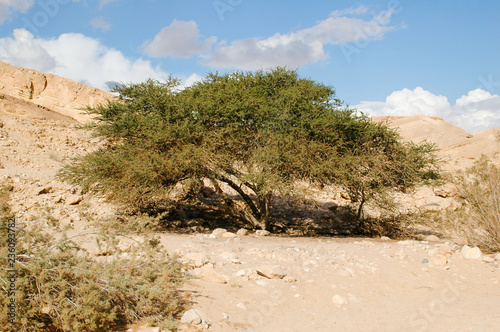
197,259
385,238
73,199
228,235
156,329
445,250
339,300
242,232
432,238
262,282
439,260
208,274
271,271
59,199
225,316
45,190
488,259
218,232
191,317
262,232
241,306
240,273
289,279
447,190
471,253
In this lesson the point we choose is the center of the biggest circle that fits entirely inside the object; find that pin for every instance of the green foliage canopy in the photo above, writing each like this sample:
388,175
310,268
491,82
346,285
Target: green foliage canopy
257,132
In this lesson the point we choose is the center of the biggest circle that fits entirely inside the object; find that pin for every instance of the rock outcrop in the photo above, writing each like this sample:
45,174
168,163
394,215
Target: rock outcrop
456,147
51,92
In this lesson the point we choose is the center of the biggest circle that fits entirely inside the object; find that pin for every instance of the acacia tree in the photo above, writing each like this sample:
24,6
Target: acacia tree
258,133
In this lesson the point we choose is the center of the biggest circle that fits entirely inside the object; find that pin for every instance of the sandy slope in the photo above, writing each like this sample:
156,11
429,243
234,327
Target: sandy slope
329,284
457,147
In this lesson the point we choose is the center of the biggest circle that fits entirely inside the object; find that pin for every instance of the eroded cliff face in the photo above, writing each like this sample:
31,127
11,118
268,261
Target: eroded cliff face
55,93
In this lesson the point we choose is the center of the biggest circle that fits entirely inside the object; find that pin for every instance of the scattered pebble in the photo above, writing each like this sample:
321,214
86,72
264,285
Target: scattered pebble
242,232
262,232
339,300
271,271
218,232
471,253
208,274
191,317
228,235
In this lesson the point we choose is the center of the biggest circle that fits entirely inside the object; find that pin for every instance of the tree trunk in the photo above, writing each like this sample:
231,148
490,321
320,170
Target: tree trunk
258,216
265,211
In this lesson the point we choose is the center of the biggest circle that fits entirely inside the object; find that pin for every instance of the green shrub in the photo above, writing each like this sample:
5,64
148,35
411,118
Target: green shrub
258,133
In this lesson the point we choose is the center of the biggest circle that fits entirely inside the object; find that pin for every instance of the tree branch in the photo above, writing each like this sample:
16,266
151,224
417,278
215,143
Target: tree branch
243,195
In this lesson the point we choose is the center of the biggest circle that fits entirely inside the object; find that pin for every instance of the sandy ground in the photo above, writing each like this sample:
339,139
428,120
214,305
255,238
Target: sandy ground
341,285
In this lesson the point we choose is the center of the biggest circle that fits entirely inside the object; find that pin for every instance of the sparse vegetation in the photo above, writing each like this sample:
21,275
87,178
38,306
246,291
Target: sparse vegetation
257,133
59,287
478,221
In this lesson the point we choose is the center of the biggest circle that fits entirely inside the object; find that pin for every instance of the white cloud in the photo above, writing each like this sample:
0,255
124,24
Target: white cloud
305,46
477,111
25,51
192,79
100,23
77,57
180,39
8,7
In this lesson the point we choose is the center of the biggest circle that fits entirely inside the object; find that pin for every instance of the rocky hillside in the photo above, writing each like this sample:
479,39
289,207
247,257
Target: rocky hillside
458,148
51,92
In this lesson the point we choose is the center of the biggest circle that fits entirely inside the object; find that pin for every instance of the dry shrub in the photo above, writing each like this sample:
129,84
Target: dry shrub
59,287
478,221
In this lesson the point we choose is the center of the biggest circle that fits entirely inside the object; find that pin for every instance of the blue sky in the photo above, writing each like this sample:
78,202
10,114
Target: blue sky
392,57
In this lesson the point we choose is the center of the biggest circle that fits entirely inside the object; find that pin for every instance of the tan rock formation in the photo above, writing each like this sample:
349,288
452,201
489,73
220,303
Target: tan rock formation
55,93
458,148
